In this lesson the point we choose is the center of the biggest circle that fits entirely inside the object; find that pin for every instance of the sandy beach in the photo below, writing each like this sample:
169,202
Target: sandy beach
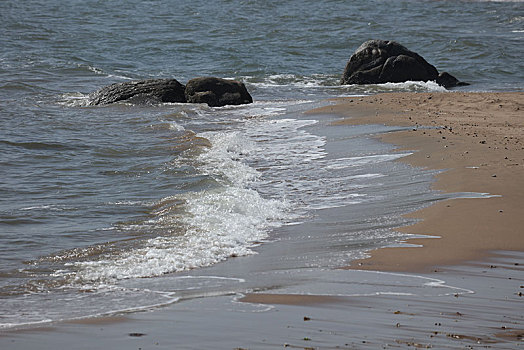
477,139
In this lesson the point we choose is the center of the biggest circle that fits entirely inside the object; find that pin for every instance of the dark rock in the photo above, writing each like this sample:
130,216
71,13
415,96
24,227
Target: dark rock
379,61
448,81
142,91
217,92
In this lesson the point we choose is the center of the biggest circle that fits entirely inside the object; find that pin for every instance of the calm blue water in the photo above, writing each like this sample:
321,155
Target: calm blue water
93,196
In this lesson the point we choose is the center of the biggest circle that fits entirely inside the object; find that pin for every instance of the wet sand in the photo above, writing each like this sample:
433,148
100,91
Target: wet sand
477,139
478,306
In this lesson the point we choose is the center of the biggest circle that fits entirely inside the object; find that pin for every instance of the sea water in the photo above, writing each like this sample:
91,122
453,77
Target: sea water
107,209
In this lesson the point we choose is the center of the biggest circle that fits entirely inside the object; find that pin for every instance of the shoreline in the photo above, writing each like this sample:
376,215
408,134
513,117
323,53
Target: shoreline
469,306
476,140
462,304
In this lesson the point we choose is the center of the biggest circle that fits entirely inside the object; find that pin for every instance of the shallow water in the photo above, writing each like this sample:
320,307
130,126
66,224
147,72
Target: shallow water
93,199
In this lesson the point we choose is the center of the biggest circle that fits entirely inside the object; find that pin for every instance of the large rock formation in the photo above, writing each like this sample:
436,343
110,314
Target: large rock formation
379,61
144,91
217,92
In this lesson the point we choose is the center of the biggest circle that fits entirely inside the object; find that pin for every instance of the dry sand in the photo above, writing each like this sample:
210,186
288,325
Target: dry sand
478,138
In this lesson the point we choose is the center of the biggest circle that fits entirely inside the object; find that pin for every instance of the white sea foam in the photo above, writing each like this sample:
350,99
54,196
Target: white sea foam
360,283
267,172
76,99
102,72
332,83
227,220
365,176
49,207
295,166
174,125
219,223
359,161
315,80
130,203
91,302
223,159
415,86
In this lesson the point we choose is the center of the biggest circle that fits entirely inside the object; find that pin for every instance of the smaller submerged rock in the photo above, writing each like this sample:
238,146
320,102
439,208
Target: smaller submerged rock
447,80
217,92
145,91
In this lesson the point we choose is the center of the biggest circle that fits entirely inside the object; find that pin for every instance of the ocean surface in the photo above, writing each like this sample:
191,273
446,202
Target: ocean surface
131,207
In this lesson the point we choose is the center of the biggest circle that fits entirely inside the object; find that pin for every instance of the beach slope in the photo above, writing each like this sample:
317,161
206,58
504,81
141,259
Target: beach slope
477,140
